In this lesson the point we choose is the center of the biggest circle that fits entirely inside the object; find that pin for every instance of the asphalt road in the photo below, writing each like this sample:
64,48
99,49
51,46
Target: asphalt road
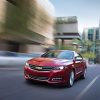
14,87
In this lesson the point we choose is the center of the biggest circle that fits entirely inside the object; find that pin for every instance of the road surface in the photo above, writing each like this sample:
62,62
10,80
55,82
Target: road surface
14,87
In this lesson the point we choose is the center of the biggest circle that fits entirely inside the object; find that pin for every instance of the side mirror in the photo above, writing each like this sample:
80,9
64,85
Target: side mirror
78,59
43,55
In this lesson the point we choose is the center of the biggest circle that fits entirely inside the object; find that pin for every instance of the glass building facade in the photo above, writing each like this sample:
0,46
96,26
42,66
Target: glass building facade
93,34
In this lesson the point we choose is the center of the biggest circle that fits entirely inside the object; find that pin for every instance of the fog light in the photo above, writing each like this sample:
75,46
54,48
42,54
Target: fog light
58,78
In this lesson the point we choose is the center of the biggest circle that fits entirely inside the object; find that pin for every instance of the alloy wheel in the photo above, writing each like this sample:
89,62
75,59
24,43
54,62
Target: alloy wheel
71,81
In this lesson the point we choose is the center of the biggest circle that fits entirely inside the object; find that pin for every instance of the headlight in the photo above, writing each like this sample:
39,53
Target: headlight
59,68
27,64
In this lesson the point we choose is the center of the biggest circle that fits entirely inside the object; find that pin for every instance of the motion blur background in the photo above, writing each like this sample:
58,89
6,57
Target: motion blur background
26,25
30,27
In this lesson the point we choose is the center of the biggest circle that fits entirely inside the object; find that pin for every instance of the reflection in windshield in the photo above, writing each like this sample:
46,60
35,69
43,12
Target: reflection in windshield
60,54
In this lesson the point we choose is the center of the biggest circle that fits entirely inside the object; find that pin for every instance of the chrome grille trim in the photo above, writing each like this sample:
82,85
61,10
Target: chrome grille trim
41,78
41,68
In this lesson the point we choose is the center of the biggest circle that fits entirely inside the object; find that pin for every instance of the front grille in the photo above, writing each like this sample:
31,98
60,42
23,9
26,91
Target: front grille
38,78
41,68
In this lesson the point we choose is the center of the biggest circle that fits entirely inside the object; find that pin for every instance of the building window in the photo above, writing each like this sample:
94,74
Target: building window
97,35
90,37
90,34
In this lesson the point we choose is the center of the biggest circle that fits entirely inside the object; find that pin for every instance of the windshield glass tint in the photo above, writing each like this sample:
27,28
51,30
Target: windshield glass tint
59,54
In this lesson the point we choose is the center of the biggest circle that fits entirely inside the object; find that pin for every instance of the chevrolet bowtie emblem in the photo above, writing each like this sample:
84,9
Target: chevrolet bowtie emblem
39,68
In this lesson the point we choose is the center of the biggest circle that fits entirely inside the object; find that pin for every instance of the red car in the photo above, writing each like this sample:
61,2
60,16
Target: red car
56,66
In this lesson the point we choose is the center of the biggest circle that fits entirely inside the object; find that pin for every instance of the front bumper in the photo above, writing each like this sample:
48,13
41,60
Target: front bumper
54,76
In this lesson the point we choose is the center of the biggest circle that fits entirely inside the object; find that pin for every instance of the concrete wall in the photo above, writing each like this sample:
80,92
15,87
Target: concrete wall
26,21
2,14
29,48
2,10
41,17
85,34
23,48
67,28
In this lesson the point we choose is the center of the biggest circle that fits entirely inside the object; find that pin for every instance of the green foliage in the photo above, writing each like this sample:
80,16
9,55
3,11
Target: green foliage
86,48
87,45
77,41
88,55
69,47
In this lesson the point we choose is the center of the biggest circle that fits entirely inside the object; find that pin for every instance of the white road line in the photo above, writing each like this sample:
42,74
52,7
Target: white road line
87,88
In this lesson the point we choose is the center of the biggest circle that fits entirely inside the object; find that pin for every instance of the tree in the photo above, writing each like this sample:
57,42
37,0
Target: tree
76,43
87,44
87,51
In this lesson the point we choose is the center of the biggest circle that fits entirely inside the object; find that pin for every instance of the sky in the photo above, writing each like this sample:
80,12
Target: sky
87,11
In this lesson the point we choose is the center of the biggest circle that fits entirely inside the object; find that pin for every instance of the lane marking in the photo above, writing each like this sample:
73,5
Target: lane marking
87,88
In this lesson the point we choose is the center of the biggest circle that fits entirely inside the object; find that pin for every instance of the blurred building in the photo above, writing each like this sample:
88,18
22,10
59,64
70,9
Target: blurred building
26,25
66,29
93,34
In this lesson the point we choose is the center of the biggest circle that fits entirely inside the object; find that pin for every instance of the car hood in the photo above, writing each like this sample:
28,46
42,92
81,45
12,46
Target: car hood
49,61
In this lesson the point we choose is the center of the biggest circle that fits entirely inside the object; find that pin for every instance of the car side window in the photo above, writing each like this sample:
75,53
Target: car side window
78,56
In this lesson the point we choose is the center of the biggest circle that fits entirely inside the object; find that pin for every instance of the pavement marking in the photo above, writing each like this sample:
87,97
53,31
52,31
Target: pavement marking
87,88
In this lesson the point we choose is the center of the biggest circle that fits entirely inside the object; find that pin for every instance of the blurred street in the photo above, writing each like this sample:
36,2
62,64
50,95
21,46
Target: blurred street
14,87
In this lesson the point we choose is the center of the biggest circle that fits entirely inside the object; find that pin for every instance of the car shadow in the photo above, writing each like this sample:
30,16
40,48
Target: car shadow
44,85
51,86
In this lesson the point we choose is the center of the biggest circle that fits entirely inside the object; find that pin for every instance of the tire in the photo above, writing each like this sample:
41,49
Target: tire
71,79
83,76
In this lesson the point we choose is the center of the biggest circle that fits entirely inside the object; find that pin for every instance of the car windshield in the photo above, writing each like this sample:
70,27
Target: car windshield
59,54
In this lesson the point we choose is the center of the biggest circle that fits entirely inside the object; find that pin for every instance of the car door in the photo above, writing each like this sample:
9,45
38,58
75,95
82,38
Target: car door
78,64
81,62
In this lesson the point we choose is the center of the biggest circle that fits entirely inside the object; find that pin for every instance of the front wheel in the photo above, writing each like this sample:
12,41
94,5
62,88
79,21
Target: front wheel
71,79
